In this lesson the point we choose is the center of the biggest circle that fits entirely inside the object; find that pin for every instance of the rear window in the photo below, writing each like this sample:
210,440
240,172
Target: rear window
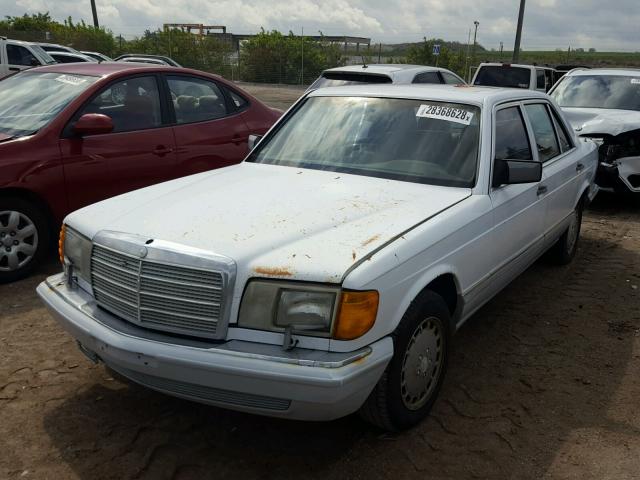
338,79
503,76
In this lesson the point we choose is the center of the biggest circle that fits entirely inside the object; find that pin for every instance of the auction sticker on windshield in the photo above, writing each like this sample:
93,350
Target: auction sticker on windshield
449,114
635,81
71,80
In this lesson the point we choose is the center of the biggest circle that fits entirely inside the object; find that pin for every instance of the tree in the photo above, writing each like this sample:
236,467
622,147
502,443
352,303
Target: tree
272,57
422,54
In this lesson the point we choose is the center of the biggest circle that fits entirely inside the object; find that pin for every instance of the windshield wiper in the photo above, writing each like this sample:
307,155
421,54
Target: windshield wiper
13,137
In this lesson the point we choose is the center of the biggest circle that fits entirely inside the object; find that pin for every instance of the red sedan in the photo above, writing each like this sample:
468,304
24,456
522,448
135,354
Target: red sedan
74,134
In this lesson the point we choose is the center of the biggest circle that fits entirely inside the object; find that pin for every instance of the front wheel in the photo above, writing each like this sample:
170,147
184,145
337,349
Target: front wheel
565,248
411,382
24,238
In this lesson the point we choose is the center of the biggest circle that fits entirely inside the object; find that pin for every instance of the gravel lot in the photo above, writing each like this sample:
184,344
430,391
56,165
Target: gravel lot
544,383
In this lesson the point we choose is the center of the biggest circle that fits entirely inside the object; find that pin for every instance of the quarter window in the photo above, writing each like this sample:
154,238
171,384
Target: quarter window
427,77
543,131
237,100
450,79
132,104
512,141
196,100
565,143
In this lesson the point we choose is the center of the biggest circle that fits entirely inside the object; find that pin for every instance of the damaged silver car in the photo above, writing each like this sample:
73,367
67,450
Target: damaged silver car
604,104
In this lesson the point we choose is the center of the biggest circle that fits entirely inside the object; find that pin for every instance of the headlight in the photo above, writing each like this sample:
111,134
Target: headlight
75,253
307,309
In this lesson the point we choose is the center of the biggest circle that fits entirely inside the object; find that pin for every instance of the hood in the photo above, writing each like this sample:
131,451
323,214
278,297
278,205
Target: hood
273,221
600,121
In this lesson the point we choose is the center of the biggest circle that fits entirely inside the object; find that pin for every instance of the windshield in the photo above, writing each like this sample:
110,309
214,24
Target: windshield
409,140
599,91
42,55
337,79
31,100
503,76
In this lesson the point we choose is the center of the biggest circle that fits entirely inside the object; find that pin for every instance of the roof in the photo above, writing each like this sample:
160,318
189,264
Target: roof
99,69
517,65
445,93
64,53
383,68
625,72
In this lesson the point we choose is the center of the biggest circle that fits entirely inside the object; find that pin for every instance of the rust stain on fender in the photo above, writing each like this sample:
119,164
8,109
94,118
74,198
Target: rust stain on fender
370,240
274,271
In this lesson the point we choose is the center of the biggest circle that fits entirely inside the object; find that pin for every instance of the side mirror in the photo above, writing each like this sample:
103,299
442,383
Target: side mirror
511,172
93,124
34,62
253,141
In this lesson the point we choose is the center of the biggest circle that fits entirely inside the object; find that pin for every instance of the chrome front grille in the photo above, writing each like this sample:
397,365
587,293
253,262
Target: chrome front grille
172,298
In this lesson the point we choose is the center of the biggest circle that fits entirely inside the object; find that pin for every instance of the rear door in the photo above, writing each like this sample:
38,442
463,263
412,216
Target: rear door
560,167
209,129
139,152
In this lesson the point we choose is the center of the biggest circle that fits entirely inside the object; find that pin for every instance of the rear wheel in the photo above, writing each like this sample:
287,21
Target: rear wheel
24,238
410,384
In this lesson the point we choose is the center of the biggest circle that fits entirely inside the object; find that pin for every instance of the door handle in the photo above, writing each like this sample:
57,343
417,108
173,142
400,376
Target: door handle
238,140
161,150
542,189
579,167
14,69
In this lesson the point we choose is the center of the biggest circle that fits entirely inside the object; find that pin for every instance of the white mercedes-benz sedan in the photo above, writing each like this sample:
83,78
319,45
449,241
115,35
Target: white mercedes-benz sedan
326,273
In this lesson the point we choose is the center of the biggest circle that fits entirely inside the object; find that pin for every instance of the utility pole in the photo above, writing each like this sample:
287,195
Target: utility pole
466,62
379,51
516,48
302,62
475,36
95,14
501,50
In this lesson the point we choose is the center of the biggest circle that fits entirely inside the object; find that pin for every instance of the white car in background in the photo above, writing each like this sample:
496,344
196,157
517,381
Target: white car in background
507,75
16,55
100,57
68,57
398,74
604,104
326,273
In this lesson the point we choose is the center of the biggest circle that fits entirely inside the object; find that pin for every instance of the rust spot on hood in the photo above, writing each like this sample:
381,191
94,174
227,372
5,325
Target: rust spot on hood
274,271
370,240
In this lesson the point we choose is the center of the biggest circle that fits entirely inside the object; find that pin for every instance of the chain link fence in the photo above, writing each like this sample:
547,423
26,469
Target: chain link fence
272,64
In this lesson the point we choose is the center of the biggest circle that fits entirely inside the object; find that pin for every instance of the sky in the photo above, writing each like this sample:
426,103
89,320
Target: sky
549,24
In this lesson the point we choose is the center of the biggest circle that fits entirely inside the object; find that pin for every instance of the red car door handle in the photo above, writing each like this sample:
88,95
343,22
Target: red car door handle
238,140
161,150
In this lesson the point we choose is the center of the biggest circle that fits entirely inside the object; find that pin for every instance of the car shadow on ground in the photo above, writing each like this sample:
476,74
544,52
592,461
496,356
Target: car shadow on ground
543,360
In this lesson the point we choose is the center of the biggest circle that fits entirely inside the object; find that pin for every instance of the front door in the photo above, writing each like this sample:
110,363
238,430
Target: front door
139,152
519,210
209,132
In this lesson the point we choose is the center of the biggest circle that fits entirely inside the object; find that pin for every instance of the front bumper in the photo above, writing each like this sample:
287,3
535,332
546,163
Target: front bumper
623,176
245,376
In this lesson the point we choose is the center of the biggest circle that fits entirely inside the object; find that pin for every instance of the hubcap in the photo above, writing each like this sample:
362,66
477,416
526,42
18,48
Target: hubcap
572,232
422,364
18,240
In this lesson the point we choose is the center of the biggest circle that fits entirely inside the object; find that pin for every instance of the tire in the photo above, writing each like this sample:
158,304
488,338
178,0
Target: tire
565,249
400,399
24,238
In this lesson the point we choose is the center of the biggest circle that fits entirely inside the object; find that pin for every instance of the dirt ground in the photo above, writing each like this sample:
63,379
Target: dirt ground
543,383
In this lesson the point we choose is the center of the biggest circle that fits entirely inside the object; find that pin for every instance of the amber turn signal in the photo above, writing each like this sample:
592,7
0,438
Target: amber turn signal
63,232
357,314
